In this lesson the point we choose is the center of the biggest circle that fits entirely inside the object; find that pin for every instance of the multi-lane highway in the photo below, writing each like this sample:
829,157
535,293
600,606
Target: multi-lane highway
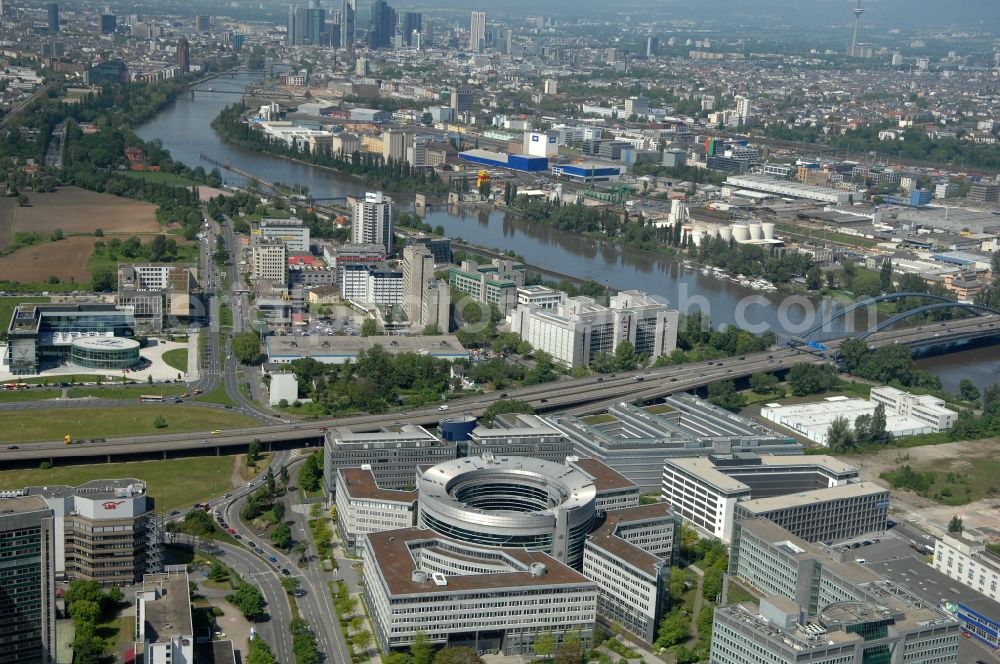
576,395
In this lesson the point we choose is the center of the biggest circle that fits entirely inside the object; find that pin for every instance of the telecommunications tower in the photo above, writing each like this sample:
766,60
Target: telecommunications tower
857,11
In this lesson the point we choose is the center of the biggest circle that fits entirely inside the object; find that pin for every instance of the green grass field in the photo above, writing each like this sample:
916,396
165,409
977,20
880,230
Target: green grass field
115,421
28,395
177,358
163,178
218,395
101,260
7,305
127,392
173,483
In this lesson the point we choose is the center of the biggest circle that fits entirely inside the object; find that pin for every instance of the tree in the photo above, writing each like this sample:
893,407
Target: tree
249,601
807,379
218,572
674,628
260,652
369,328
839,436
711,583
966,388
57,235
421,651
457,655
396,657
103,281
281,536
246,348
723,394
253,451
312,472
956,525
115,597
85,611
762,383
570,651
283,475
877,432
885,276
159,422
814,278
545,645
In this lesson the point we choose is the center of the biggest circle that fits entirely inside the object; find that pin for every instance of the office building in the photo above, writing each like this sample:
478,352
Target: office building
924,408
462,99
965,558
493,283
634,440
427,301
883,630
652,47
707,490
293,232
674,158
353,254
315,28
629,557
541,297
581,329
984,192
372,223
459,593
395,144
410,23
164,629
520,435
510,502
550,86
109,23
348,15
106,530
614,490
53,17
202,23
383,25
636,106
183,55
27,605
815,585
237,39
393,454
296,34
364,507
269,261
435,306
440,247
159,293
477,32
41,335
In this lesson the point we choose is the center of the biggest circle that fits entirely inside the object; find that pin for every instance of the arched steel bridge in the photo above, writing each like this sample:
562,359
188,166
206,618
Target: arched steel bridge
941,302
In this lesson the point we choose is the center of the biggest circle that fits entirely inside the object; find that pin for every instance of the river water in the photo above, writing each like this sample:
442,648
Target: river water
184,128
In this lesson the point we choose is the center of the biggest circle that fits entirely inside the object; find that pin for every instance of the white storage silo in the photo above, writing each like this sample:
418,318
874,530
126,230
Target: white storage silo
741,233
755,232
726,233
768,228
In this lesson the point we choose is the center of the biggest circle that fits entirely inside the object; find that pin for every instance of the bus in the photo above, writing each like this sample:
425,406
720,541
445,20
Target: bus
150,398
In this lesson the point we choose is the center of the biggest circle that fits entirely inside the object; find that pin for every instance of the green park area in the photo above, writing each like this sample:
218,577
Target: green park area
173,483
177,358
117,421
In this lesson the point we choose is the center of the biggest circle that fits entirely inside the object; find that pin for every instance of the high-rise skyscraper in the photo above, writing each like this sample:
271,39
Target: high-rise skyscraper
372,223
383,25
744,109
410,22
477,32
53,9
347,24
296,26
652,46
202,23
237,40
108,24
27,603
184,55
315,23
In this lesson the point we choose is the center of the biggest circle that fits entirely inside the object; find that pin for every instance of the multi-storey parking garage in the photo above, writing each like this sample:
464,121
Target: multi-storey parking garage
510,502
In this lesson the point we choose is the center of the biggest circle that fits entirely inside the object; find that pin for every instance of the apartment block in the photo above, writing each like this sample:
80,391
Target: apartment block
372,221
269,261
363,507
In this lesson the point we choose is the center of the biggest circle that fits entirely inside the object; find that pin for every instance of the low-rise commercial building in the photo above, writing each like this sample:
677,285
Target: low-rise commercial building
965,558
334,349
164,628
520,435
634,441
393,454
629,557
614,490
771,185
706,491
364,507
458,593
541,297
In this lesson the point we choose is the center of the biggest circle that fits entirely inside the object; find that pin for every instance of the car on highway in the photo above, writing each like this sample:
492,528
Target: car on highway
216,432
273,559
13,447
284,570
443,407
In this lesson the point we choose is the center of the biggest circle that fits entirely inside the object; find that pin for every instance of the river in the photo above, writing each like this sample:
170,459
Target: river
184,128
